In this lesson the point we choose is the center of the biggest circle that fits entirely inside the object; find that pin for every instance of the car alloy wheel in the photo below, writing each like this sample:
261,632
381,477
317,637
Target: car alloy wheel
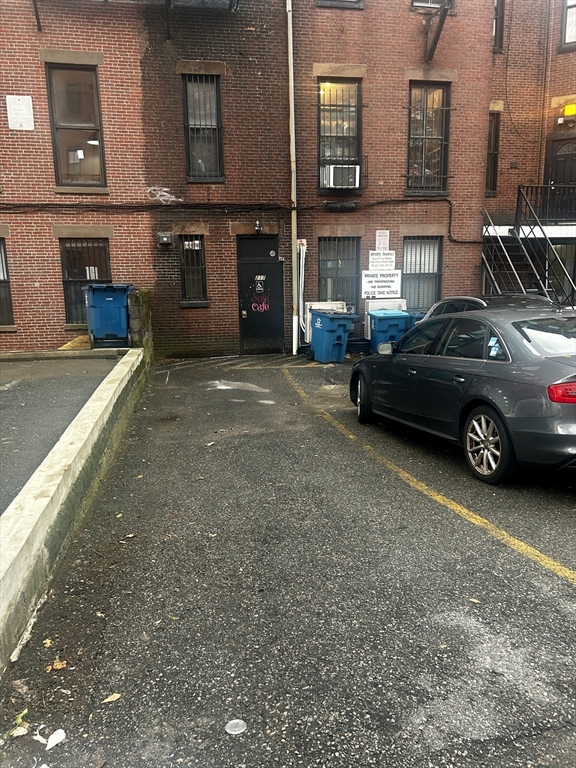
489,450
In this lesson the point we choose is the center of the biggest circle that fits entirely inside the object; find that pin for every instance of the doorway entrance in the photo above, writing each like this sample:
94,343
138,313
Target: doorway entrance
261,296
563,161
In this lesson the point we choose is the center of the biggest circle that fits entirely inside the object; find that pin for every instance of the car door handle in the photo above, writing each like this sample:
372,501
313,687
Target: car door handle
412,372
458,380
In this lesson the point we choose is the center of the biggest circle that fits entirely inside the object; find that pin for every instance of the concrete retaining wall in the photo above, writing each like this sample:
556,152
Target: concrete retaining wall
37,525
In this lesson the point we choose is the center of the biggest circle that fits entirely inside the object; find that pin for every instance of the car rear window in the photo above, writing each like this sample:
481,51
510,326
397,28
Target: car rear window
550,335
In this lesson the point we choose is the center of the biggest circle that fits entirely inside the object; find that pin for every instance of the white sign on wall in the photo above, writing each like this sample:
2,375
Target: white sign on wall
382,239
20,113
382,261
381,285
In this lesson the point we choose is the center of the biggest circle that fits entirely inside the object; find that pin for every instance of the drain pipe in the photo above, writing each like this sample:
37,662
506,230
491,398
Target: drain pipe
294,217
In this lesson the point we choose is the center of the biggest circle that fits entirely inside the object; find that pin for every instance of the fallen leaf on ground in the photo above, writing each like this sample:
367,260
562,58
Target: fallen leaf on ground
47,643
111,698
473,600
55,738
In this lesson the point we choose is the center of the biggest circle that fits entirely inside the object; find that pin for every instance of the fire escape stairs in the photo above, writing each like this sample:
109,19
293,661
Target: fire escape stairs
525,260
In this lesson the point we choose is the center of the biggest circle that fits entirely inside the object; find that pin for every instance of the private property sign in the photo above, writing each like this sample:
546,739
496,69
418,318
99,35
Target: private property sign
381,285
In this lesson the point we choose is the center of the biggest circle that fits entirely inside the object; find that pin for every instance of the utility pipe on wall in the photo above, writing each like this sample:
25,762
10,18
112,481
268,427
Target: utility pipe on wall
294,217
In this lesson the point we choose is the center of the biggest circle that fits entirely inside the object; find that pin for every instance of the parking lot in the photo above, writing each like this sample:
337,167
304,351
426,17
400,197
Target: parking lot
350,592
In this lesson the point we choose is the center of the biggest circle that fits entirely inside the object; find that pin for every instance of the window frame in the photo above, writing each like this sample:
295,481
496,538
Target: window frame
216,127
351,291
6,305
329,161
357,5
57,127
498,36
493,153
430,4
568,9
97,248
415,184
434,277
193,274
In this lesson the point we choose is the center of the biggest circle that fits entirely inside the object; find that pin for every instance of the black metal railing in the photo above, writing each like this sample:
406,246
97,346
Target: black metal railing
552,204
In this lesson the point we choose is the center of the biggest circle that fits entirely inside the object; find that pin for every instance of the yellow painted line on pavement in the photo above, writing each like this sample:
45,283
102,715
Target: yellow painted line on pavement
498,533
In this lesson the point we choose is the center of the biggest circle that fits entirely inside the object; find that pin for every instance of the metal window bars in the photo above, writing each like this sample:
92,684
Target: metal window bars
84,261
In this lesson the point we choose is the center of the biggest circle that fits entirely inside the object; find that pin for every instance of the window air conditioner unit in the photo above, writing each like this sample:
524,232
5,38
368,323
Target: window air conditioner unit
341,177
337,306
373,304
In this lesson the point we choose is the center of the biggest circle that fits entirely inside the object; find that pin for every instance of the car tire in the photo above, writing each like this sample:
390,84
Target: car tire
363,407
487,446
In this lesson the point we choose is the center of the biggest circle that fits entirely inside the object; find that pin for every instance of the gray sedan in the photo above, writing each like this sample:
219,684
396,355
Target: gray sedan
500,382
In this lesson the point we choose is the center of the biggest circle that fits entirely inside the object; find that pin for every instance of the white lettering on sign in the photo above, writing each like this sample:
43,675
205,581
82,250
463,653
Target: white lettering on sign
381,285
382,261
260,277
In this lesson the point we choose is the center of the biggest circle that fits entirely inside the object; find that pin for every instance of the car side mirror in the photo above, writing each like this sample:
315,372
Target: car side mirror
385,348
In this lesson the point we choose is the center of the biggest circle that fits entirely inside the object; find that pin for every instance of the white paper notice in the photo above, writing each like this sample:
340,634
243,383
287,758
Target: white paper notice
20,114
382,239
381,285
382,261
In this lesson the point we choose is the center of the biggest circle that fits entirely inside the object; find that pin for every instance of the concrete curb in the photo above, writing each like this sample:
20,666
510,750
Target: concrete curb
36,525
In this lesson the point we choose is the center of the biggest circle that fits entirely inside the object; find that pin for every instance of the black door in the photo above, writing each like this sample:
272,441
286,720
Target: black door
261,296
563,161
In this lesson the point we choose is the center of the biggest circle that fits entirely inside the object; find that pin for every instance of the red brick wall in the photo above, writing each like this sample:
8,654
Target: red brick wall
142,113
389,39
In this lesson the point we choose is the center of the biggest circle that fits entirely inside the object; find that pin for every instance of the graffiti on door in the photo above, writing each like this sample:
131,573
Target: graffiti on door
260,302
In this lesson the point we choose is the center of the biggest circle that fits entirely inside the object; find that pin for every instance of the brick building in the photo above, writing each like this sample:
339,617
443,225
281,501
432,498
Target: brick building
241,158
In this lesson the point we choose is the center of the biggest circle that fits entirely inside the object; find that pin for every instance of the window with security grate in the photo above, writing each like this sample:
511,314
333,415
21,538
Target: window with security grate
421,272
203,128
193,268
338,260
429,111
84,261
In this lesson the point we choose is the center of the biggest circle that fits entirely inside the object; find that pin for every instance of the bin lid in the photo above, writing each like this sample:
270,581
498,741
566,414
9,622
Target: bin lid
126,287
391,313
333,313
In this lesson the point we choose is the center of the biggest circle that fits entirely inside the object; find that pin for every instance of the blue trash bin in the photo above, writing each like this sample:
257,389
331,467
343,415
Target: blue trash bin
387,325
330,335
107,314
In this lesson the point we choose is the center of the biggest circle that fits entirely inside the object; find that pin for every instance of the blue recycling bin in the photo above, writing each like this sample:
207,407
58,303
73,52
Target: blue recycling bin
387,325
330,335
107,314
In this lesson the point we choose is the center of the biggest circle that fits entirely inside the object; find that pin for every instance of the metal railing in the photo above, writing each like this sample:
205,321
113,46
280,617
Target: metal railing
525,260
551,204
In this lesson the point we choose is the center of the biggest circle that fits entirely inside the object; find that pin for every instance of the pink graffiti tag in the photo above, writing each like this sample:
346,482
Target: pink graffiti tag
260,303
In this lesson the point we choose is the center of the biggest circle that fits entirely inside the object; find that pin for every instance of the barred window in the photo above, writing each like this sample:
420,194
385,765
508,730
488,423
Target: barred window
338,260
498,25
84,261
203,127
493,149
569,24
339,134
428,138
76,125
428,3
6,311
421,272
193,268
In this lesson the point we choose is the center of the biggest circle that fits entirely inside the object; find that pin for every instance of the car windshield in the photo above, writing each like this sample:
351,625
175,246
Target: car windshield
550,335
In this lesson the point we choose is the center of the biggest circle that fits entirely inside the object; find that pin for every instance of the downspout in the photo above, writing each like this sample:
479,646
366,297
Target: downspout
293,217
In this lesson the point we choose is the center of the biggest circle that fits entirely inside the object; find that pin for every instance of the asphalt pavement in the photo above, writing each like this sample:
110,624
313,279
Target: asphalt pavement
39,398
348,592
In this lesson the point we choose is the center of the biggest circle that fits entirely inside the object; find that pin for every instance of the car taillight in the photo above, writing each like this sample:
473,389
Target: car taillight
563,393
